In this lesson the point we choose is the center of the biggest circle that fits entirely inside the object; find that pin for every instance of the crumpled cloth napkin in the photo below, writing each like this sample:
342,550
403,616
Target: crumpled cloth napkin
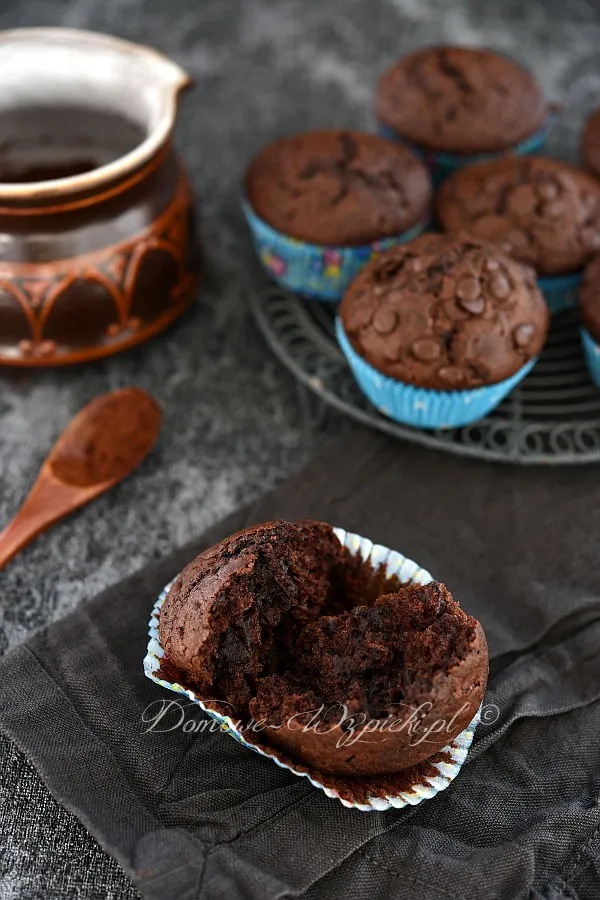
192,814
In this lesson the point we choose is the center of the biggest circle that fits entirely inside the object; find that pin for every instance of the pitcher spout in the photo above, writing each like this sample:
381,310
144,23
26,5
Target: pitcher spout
170,74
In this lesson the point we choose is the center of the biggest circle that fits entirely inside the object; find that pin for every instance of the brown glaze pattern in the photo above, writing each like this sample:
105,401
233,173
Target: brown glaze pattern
135,271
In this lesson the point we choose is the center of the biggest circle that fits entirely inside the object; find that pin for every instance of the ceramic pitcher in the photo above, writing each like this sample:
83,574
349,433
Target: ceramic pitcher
96,228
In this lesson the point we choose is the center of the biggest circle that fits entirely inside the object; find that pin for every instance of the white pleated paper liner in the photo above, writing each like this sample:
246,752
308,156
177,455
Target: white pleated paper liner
430,777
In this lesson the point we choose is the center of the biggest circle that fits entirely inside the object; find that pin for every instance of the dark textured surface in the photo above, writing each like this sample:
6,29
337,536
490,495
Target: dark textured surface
232,418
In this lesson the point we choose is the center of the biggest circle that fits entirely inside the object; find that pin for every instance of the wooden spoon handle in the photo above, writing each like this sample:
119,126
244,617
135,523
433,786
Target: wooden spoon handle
49,501
15,536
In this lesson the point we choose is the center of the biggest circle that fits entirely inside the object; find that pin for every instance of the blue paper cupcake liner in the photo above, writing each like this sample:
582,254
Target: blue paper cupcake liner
408,572
319,272
442,165
561,292
591,351
425,407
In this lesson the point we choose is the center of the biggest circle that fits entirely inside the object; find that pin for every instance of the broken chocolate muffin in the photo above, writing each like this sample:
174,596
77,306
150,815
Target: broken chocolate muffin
345,668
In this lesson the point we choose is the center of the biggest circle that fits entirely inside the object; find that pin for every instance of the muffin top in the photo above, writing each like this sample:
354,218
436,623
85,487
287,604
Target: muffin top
340,188
460,100
589,298
590,143
445,312
215,622
543,212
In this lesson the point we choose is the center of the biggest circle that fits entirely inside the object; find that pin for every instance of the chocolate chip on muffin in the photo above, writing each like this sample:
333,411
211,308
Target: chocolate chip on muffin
340,188
543,212
445,312
590,143
460,100
282,619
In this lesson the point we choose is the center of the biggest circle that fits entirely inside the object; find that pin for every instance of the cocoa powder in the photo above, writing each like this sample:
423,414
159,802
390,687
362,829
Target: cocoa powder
108,440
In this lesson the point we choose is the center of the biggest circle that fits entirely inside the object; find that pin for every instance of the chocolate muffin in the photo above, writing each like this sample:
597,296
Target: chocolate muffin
338,188
589,298
543,212
445,312
219,621
590,143
359,672
281,620
460,100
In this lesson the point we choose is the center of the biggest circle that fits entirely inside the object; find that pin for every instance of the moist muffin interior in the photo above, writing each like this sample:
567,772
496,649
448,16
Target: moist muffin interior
310,624
373,660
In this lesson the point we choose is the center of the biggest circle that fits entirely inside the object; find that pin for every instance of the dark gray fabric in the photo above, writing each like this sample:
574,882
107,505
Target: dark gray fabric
195,815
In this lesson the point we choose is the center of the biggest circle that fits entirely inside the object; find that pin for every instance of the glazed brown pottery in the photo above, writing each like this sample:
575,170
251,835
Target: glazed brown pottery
97,249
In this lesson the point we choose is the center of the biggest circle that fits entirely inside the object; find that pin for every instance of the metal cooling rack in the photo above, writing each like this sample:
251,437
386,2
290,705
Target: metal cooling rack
552,418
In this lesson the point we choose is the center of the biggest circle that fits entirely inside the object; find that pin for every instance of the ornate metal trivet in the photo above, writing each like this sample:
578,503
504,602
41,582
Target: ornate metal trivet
553,417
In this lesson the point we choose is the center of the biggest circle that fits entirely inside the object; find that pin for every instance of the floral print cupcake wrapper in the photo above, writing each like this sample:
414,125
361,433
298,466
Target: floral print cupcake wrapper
424,407
318,272
591,351
413,785
561,292
442,165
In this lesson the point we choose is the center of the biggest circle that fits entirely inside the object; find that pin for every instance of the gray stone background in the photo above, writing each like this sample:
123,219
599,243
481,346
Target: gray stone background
233,422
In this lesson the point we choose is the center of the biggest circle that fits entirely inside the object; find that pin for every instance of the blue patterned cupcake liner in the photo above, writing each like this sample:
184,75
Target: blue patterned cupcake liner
591,351
442,165
319,272
561,292
425,787
425,407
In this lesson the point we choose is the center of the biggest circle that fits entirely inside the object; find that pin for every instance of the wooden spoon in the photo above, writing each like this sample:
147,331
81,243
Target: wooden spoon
102,445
